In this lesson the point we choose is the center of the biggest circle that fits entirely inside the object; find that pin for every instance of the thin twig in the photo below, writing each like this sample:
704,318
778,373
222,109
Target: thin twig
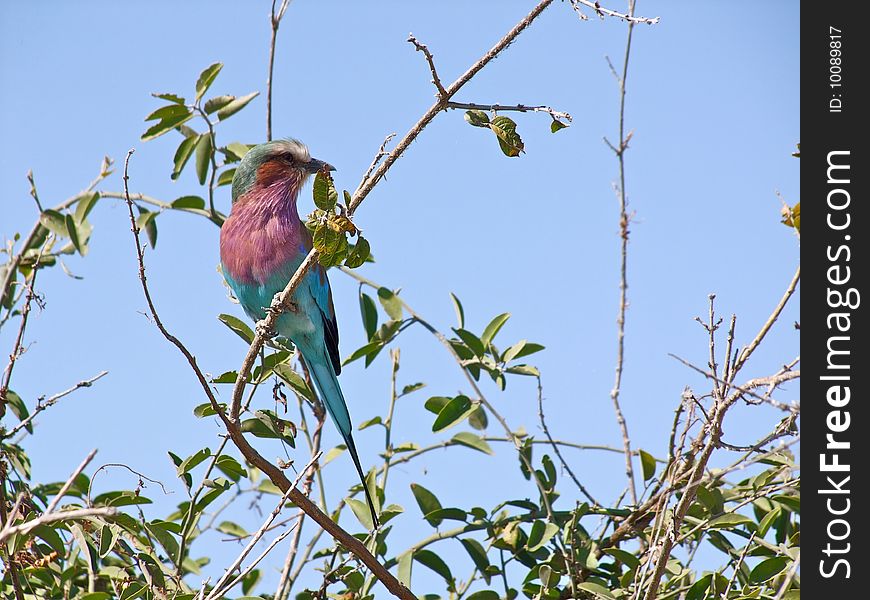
786,584
436,81
41,405
555,446
66,486
606,12
275,22
64,515
510,108
18,346
623,279
221,587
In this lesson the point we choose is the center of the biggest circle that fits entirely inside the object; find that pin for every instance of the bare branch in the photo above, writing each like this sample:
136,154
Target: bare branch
555,446
436,81
18,346
274,22
606,12
41,404
623,267
221,587
65,515
510,108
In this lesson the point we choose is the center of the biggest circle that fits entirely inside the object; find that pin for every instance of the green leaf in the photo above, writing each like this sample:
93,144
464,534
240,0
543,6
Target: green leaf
557,125
477,553
412,387
204,151
233,529
484,595
478,419
188,202
108,537
54,222
466,438
436,403
170,97
768,569
369,313
454,411
236,151
478,118
294,380
472,341
362,512
85,204
330,244
193,460
206,78
648,464
358,253
370,423
391,303
147,220
521,349
51,537
527,370
493,328
226,177
170,111
627,558
238,326
218,102
453,514
230,467
134,589
323,191
595,588
183,154
18,408
225,377
509,140
403,570
428,503
366,350
431,560
460,313
729,521
698,589
235,106
171,117
540,534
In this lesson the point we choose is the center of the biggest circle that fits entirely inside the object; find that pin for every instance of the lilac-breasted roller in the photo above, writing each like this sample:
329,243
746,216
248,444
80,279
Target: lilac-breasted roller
263,242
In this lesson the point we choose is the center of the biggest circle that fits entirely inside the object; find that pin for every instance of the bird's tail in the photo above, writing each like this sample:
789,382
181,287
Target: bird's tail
330,392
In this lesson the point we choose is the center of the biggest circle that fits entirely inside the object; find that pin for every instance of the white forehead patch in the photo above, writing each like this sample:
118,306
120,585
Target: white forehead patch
295,148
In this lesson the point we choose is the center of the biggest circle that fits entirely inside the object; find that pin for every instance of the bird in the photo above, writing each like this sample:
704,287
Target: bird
262,244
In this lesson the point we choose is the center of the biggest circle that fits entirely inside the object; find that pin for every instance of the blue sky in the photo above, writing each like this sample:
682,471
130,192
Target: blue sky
713,103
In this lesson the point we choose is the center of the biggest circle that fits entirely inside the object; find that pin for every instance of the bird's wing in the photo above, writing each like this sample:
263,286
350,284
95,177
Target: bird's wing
323,297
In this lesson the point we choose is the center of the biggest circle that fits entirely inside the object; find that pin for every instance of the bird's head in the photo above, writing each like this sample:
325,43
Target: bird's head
279,160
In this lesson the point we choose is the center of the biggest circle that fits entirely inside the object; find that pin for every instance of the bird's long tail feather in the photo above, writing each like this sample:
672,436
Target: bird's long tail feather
330,392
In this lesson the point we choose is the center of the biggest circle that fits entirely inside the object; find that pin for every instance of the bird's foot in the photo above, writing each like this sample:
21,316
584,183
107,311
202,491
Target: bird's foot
264,330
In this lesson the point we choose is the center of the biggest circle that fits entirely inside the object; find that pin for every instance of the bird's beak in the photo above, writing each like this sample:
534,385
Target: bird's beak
315,166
